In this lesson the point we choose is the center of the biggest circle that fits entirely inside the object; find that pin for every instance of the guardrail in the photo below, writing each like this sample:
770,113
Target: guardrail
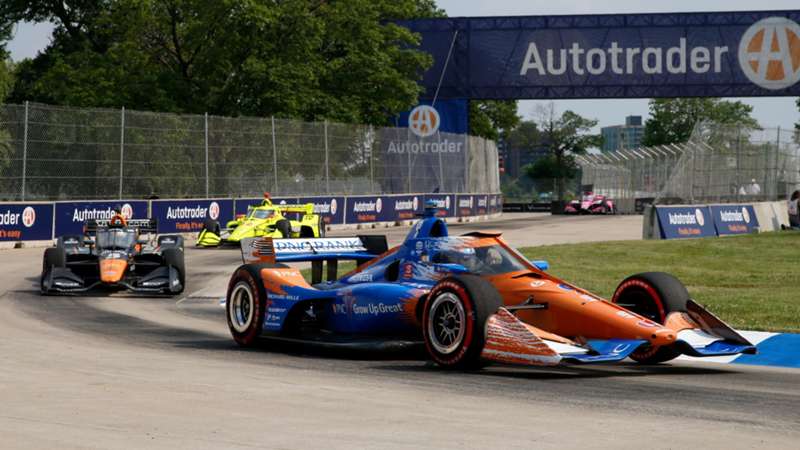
39,221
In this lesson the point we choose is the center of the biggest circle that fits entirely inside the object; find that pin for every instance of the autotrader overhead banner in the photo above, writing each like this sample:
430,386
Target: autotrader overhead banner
685,222
26,221
717,54
734,219
183,216
71,216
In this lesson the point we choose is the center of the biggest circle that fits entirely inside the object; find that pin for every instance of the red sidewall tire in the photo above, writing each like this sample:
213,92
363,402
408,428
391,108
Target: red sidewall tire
249,275
457,356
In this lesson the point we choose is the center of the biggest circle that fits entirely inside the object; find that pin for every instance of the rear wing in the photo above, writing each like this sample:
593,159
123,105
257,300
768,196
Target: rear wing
305,209
143,225
359,248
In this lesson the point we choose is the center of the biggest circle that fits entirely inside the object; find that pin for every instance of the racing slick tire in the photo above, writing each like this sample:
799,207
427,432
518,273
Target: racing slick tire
53,257
285,228
246,301
653,295
173,257
454,320
212,226
321,227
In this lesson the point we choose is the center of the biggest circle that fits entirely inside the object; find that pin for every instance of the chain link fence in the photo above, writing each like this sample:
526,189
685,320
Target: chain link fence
718,164
60,153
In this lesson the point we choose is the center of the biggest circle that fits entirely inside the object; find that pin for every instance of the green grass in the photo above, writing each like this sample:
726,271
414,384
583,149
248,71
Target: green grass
752,282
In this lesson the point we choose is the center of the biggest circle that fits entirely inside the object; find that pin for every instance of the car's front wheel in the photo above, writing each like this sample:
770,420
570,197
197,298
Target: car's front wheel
454,320
653,295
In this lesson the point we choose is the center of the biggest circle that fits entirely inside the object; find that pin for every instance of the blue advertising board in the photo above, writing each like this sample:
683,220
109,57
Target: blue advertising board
465,205
405,207
446,203
707,54
734,219
678,222
186,216
365,209
71,216
453,115
26,221
330,208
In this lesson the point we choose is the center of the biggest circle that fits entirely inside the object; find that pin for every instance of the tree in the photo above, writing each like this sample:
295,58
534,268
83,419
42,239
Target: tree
564,137
673,120
490,118
305,59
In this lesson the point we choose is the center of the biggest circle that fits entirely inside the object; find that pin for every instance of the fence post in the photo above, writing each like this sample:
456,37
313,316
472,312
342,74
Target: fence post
24,152
327,174
775,168
274,158
206,148
371,169
121,149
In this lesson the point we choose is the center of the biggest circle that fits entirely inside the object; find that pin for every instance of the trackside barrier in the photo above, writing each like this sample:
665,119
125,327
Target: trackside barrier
41,221
693,221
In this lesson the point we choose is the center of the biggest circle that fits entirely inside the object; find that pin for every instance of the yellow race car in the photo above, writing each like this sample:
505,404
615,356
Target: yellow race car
264,220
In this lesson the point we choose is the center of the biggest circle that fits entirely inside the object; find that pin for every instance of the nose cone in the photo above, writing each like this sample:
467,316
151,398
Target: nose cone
662,336
112,270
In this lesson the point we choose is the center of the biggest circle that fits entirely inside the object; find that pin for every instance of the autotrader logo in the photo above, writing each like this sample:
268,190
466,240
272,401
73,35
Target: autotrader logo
28,217
423,121
769,53
213,210
701,220
127,211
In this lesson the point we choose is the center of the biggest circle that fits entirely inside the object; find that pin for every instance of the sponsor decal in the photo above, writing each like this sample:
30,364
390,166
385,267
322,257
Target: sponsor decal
185,212
685,222
334,206
424,121
318,245
28,217
734,219
538,283
362,277
213,210
565,287
647,324
625,314
769,53
622,60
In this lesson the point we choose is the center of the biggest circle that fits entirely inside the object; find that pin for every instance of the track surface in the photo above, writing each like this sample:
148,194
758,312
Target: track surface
127,372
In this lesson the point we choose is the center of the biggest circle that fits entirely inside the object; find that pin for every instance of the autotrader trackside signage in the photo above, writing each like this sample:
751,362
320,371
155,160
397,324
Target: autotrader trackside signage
685,222
183,216
466,205
445,203
734,219
330,208
365,209
26,221
71,216
720,54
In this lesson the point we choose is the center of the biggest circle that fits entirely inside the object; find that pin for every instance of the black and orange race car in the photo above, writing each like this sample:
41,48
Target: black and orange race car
115,254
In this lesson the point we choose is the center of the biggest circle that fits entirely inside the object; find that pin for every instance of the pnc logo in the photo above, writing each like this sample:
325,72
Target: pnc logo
213,210
769,53
423,121
28,217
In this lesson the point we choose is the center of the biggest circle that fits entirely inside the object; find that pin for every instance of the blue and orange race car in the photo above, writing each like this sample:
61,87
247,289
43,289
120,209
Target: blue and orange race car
471,299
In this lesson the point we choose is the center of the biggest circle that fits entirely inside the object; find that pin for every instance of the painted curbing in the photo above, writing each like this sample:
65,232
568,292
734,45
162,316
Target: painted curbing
774,349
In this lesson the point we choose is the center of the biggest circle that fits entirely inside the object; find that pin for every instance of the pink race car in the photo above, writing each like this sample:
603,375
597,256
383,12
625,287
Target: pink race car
591,204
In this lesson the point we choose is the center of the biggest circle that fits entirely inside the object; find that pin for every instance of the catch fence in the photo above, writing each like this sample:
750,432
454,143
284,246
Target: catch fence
60,153
718,164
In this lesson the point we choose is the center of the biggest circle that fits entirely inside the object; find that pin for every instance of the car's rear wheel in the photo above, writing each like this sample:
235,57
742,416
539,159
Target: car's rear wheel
284,227
454,319
246,303
653,295
212,226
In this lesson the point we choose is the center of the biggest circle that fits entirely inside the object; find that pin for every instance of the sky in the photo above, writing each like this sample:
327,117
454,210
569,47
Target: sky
29,39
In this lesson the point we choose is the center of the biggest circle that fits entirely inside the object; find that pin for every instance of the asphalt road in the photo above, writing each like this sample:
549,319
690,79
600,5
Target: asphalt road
120,371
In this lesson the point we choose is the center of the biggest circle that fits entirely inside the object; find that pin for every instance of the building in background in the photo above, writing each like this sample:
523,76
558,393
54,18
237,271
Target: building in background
623,136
